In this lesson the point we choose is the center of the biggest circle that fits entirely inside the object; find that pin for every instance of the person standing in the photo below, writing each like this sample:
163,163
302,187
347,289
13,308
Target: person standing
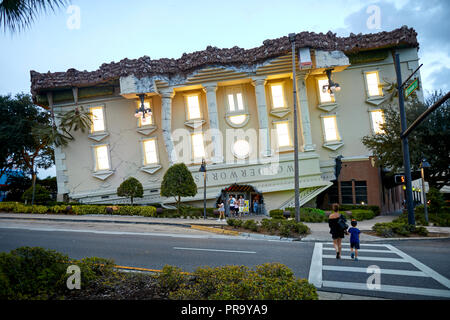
354,240
337,225
255,206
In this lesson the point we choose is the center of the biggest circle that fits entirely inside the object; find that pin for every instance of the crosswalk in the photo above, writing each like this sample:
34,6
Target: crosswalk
381,269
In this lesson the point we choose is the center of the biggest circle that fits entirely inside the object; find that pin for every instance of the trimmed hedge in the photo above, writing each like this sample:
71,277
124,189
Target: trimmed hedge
270,281
392,229
285,228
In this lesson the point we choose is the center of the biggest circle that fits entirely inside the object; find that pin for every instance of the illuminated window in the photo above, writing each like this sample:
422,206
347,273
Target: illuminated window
373,84
193,107
148,120
101,158
198,148
150,151
283,136
238,119
277,96
330,128
325,97
98,123
241,149
377,121
235,102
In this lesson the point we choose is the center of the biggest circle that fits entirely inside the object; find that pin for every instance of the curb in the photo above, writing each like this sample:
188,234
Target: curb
215,230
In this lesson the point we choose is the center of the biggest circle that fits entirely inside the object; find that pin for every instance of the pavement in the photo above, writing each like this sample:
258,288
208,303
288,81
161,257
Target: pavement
319,231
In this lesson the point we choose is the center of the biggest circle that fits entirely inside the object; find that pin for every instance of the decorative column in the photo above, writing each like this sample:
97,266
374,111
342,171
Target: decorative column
213,115
264,138
166,123
302,96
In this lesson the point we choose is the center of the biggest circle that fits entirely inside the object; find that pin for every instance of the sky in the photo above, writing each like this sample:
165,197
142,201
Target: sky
87,33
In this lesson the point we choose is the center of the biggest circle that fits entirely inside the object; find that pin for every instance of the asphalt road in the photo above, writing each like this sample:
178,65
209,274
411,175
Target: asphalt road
189,251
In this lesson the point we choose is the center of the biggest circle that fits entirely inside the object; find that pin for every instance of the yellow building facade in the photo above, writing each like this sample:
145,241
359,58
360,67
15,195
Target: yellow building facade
233,108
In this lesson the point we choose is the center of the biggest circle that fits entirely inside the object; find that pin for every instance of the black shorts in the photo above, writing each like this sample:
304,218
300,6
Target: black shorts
354,245
338,235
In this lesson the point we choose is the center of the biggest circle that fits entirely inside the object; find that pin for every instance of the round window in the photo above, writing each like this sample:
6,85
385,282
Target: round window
241,149
237,120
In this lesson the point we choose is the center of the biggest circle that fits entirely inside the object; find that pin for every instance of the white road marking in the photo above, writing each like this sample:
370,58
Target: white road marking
362,250
213,250
315,270
325,256
382,271
362,244
419,265
388,288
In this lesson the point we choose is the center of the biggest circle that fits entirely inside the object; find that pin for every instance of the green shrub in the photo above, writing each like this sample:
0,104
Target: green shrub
41,194
57,209
436,199
276,214
266,282
32,273
94,269
251,225
391,229
89,209
360,214
271,225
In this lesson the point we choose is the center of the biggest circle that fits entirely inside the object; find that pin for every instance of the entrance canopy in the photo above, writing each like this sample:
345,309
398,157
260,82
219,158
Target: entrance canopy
249,192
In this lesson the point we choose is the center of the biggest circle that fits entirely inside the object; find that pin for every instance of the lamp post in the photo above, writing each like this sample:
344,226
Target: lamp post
203,169
424,164
296,173
142,111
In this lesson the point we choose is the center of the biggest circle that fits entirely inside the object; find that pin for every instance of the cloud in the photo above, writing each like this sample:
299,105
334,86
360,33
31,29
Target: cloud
429,19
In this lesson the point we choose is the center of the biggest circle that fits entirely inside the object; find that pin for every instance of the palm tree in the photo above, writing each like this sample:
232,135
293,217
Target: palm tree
16,15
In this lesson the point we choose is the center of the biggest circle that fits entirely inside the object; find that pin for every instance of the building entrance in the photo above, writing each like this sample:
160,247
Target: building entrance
247,197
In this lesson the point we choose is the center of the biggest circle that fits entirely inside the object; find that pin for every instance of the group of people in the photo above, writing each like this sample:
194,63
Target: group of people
338,228
236,207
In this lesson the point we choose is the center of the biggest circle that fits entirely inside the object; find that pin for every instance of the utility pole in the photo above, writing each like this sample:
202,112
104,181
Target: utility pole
405,146
296,173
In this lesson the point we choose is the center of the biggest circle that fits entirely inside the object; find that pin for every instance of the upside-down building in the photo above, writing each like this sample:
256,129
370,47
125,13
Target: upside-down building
235,109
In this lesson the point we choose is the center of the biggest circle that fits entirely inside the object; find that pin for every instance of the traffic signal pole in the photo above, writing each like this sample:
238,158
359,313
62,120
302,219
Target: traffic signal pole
405,146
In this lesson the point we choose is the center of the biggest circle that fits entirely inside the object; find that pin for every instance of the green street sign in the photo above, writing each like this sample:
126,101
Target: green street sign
411,88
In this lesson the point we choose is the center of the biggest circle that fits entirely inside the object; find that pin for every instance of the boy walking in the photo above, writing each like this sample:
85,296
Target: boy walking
354,239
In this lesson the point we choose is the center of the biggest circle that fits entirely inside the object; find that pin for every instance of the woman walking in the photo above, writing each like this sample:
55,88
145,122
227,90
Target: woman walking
338,227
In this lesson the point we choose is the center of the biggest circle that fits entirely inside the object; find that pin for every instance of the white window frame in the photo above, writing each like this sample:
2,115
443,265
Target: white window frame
102,107
234,91
320,92
283,90
289,146
331,144
186,102
96,160
197,159
372,121
380,90
144,153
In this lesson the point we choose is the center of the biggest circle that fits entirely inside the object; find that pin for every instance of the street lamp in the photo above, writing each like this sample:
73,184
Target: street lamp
142,111
424,164
203,169
294,84
332,86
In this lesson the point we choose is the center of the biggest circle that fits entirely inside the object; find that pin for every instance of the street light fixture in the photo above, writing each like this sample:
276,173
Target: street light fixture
332,86
424,164
142,111
296,170
203,169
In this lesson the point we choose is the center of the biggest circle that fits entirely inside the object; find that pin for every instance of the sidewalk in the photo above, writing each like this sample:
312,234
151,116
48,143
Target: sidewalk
319,231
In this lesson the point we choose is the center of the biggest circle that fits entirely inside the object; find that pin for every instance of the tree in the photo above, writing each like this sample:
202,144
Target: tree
41,195
20,14
130,188
426,141
178,182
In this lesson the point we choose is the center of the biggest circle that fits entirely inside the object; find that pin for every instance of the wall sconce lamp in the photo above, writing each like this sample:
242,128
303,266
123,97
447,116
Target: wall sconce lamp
331,87
142,111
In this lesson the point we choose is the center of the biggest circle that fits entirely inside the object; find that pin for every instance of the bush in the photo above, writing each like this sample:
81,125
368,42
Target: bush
360,215
391,229
251,225
41,194
351,207
266,282
276,214
130,188
32,273
89,209
436,199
